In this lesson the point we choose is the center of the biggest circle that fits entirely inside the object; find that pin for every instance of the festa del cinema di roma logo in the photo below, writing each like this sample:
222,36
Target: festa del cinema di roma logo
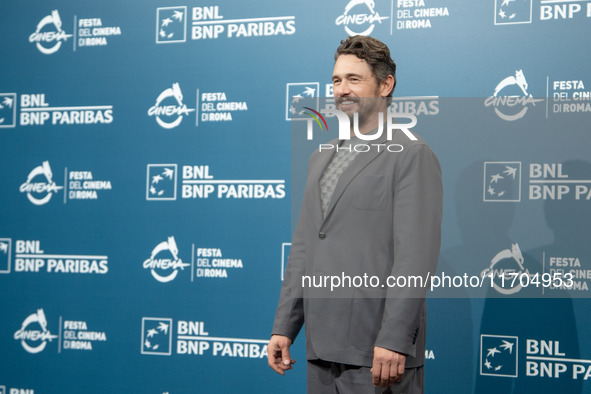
39,191
514,105
169,108
49,36
506,262
359,17
164,262
33,333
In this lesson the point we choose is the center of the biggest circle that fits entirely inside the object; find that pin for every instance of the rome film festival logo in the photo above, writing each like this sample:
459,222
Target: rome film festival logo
505,105
359,18
507,265
167,114
33,333
40,192
165,259
498,355
7,110
48,39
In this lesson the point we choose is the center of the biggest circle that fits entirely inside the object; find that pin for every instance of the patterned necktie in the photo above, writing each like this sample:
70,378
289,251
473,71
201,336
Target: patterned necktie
340,161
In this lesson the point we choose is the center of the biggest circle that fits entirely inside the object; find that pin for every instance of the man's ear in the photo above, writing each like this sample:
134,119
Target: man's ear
386,86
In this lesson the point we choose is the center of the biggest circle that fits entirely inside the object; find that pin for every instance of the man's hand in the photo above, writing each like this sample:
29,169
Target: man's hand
388,367
278,354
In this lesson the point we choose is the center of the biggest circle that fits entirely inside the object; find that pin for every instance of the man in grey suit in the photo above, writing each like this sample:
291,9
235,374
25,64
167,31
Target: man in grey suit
376,214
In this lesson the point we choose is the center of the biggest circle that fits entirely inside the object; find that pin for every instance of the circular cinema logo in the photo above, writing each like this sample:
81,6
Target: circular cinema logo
359,18
510,99
507,264
40,186
169,108
164,262
49,35
33,333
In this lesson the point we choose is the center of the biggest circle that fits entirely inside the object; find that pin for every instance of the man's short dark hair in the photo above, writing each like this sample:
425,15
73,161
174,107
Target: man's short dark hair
374,52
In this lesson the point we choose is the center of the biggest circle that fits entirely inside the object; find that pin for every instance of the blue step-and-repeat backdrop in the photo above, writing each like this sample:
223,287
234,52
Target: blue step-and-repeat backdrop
146,187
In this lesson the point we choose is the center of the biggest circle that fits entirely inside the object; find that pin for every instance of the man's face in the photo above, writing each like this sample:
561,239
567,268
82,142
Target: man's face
353,79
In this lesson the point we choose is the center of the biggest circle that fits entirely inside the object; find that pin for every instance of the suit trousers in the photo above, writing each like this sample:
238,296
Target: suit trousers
326,377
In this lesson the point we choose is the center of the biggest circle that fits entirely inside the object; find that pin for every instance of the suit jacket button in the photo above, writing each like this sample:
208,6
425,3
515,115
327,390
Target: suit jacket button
322,235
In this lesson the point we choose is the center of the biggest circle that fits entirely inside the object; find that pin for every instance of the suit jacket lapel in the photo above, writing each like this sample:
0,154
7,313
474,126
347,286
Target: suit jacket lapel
315,176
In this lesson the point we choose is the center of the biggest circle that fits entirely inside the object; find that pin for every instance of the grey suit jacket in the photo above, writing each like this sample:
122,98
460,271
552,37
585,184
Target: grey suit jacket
384,220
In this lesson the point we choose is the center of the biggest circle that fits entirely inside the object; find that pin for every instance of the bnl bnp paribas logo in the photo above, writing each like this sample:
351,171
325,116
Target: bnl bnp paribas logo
171,24
34,334
49,35
511,12
161,182
5,254
199,182
544,358
157,336
7,110
502,181
498,355
360,18
191,338
40,186
297,91
510,99
209,23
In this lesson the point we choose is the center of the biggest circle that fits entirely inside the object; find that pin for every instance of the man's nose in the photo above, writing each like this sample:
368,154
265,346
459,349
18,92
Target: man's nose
343,89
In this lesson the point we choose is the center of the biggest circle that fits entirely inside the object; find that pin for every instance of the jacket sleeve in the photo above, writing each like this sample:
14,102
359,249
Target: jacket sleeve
289,316
417,213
